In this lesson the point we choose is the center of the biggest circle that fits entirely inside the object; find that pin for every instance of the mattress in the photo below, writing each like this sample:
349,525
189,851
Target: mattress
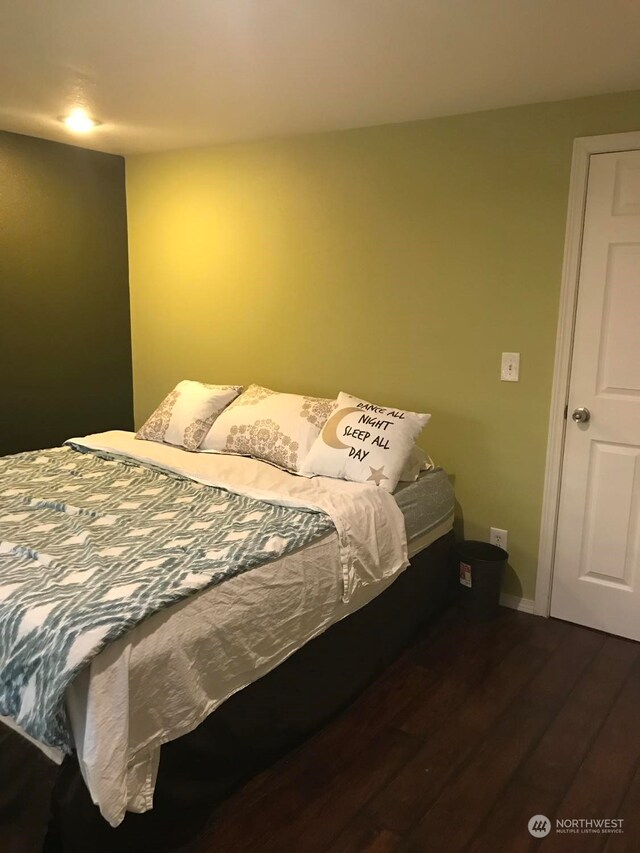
427,505
169,673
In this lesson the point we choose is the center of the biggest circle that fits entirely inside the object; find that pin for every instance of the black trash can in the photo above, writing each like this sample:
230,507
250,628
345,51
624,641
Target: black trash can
480,566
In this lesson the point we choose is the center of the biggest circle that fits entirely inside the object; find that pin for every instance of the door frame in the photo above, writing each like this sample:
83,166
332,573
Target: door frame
583,148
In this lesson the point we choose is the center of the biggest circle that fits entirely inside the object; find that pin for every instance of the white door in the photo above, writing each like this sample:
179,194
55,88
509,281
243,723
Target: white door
596,579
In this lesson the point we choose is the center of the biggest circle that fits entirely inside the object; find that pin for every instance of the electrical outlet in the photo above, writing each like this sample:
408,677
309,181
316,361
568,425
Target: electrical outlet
510,367
498,537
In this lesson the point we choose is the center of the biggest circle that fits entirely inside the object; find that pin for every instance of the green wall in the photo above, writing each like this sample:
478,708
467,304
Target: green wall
394,262
65,338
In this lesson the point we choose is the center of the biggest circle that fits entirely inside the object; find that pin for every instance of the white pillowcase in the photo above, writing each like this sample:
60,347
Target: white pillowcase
418,461
185,416
365,443
268,425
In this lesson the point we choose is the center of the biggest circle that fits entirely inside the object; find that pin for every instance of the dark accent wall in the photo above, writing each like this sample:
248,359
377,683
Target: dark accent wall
65,333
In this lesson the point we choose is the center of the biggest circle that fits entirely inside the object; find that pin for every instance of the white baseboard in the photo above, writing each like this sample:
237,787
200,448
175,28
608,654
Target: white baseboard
525,605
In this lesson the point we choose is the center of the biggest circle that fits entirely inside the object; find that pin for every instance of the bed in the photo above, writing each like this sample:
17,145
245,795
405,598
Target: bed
222,681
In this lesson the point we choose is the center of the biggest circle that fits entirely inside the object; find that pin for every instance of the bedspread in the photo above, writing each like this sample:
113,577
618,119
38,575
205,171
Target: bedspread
91,543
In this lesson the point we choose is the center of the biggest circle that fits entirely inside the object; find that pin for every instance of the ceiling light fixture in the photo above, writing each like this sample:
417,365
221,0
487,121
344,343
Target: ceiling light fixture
79,121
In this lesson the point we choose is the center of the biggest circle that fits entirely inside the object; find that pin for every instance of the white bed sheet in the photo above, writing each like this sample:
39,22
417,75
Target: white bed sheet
183,663
165,676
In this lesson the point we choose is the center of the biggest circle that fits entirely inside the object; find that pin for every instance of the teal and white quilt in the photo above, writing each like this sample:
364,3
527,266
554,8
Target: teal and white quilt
91,544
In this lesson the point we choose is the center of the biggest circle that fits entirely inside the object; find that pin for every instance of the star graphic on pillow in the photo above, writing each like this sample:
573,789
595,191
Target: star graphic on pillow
377,475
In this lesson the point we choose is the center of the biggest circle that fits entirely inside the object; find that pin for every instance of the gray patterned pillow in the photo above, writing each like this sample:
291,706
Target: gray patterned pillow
268,425
185,416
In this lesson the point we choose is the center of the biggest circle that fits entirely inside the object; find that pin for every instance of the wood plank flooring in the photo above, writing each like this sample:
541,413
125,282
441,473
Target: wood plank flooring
474,730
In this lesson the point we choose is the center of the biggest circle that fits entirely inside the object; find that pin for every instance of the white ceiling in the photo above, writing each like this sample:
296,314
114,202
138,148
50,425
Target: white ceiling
165,74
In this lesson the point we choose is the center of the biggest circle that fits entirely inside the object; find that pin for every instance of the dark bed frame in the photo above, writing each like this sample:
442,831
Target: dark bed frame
46,807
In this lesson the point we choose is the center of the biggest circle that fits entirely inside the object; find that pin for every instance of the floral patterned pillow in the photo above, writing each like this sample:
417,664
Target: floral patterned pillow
268,425
185,416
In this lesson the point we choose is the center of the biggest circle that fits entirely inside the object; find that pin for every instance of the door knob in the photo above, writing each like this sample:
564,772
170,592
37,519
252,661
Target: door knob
581,415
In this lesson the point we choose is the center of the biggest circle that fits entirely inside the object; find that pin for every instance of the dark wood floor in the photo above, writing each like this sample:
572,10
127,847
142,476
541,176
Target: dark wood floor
472,732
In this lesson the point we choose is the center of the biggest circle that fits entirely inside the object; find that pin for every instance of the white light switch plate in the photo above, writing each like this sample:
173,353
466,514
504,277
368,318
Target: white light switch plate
510,370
